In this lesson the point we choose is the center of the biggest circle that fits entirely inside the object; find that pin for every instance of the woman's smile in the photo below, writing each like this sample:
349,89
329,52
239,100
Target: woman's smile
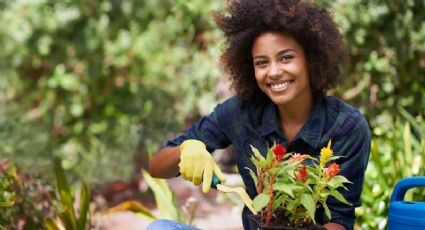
279,87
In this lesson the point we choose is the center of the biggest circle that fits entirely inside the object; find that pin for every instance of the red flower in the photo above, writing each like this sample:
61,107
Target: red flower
332,170
279,151
302,176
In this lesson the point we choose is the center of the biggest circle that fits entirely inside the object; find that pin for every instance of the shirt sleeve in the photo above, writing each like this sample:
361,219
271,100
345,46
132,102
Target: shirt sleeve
354,148
209,130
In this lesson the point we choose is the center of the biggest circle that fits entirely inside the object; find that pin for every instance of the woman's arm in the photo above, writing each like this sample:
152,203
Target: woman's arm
209,130
165,163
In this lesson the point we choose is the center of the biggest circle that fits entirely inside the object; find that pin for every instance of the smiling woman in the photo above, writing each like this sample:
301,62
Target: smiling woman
281,72
282,56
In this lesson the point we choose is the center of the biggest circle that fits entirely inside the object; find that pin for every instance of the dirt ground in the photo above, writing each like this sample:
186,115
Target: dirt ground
215,210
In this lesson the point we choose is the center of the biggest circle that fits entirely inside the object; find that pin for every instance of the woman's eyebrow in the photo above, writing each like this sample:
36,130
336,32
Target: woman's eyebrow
282,52
259,56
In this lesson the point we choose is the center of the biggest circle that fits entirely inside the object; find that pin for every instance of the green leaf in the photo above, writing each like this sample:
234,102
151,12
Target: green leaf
50,224
290,166
68,219
133,206
286,188
327,211
337,181
407,141
253,175
258,159
257,153
308,202
274,171
61,181
416,125
290,204
84,205
335,158
263,164
260,201
164,197
339,196
6,203
68,216
314,159
279,200
376,159
270,157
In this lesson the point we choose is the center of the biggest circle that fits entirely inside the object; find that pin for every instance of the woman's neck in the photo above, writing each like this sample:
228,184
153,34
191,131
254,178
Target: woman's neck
296,112
294,115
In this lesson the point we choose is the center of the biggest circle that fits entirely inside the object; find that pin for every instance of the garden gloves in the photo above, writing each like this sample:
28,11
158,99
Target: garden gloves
197,165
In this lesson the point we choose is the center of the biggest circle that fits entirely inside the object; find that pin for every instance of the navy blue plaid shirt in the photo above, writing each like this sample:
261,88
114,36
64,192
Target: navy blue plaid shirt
238,123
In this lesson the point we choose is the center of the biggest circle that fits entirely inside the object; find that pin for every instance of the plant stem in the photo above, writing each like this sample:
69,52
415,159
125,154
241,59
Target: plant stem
261,177
272,198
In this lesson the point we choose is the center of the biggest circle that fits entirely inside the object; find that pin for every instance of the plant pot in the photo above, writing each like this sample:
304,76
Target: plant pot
255,224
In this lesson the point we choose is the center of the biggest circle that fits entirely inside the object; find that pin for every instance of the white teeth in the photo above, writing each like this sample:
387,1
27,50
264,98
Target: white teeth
280,86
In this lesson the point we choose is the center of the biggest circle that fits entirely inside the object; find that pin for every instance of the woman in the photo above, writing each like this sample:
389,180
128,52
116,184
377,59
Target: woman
282,56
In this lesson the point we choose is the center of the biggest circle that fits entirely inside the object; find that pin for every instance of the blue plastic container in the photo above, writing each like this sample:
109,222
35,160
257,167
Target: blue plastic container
406,215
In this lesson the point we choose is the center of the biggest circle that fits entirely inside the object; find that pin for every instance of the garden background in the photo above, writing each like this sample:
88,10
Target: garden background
100,85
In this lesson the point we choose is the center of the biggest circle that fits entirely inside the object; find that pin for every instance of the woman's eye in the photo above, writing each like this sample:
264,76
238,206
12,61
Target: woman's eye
260,63
287,57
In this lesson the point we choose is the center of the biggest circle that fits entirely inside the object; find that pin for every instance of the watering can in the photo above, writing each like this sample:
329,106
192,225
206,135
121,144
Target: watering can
406,215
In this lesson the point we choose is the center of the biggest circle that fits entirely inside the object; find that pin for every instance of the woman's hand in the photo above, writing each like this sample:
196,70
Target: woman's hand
197,165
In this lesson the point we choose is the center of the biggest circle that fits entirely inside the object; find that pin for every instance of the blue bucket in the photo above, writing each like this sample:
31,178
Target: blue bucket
406,215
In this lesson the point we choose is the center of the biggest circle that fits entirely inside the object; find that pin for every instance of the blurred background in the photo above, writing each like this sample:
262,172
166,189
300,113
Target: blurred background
89,90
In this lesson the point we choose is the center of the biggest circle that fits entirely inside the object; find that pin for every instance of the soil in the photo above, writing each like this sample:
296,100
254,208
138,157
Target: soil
280,224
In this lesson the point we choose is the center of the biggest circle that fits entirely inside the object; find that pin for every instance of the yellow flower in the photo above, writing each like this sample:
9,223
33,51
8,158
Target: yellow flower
326,153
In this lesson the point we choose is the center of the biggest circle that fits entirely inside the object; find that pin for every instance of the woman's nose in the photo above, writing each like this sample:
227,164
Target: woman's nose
275,71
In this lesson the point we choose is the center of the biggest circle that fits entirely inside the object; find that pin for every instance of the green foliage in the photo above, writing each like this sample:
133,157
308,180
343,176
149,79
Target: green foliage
7,182
289,190
94,76
25,199
165,199
386,42
398,151
99,81
260,201
67,214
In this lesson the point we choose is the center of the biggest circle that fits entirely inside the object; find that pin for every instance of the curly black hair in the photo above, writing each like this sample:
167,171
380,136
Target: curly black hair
312,26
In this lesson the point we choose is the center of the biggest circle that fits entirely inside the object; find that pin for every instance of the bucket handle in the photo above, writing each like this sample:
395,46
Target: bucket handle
405,184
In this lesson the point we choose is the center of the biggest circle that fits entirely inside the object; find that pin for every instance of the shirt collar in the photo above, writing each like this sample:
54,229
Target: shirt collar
270,120
312,130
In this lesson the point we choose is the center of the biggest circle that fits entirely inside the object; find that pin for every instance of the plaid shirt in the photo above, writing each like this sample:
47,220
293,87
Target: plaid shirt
241,124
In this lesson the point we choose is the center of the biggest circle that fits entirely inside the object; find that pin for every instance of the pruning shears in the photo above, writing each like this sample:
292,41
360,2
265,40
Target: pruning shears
216,184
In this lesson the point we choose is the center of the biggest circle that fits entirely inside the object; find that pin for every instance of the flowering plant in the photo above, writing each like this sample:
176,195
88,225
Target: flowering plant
290,190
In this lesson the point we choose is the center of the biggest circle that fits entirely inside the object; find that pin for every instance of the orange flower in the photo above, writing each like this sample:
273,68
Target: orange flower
279,151
332,171
297,157
302,176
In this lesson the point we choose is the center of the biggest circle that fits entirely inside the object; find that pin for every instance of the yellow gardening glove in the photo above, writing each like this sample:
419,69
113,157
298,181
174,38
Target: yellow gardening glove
197,165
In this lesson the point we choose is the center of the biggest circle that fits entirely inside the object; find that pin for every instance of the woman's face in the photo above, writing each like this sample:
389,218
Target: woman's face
281,69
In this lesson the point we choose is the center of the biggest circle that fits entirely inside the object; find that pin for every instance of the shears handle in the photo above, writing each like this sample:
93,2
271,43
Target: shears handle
215,181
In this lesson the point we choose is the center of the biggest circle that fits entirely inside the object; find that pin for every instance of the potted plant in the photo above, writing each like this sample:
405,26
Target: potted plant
290,191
